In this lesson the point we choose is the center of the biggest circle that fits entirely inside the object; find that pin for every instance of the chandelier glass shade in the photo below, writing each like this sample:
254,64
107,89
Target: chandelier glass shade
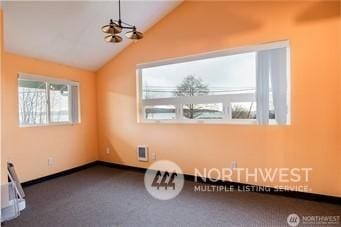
113,38
134,34
115,27
112,28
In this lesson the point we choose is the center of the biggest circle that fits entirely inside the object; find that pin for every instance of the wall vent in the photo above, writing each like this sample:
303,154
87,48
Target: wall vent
142,153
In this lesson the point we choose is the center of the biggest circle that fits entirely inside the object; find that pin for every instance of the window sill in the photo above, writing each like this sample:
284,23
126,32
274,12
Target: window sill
208,122
49,125
246,122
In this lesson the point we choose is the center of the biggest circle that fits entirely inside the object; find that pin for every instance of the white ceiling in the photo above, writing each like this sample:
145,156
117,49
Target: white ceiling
69,32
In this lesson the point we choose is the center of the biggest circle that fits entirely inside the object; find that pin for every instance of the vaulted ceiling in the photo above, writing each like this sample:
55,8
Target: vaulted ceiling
69,32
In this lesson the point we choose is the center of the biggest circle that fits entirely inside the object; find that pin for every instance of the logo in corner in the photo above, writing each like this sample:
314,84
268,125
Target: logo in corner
164,180
293,219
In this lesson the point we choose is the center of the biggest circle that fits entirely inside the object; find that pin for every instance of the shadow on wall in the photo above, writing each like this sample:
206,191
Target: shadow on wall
113,154
212,28
122,151
320,11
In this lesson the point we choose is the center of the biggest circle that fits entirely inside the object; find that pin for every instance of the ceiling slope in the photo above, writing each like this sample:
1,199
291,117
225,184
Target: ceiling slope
69,32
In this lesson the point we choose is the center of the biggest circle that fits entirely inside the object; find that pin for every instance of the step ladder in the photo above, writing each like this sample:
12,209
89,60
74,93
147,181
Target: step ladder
12,196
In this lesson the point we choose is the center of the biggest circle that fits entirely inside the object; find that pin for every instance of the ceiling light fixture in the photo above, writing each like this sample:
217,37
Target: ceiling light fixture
116,26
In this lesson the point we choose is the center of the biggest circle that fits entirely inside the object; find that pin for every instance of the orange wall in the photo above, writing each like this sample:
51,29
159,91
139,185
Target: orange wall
339,136
196,27
3,163
29,148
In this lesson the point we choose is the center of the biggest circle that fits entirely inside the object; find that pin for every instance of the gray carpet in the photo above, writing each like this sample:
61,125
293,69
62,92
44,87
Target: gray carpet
102,196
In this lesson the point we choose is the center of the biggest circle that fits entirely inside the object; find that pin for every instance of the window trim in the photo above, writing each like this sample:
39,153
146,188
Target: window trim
217,53
50,80
176,101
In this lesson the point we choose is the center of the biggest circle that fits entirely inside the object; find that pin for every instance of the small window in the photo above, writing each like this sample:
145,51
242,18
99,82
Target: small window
60,103
161,112
248,84
210,111
32,102
44,101
243,110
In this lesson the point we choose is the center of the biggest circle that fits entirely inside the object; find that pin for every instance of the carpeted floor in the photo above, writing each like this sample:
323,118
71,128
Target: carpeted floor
103,196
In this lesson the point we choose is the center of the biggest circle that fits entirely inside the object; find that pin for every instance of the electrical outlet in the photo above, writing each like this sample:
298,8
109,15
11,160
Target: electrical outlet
107,151
153,156
50,161
233,165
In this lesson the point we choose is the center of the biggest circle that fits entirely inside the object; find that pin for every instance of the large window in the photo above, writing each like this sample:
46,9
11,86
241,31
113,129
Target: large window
241,85
45,101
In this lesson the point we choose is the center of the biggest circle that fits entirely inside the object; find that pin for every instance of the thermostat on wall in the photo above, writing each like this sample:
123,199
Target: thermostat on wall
142,153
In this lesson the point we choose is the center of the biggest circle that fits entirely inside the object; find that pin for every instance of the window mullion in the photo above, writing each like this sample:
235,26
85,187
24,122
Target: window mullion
48,102
178,111
227,111
70,98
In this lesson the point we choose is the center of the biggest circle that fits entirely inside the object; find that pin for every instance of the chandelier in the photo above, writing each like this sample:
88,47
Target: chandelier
115,27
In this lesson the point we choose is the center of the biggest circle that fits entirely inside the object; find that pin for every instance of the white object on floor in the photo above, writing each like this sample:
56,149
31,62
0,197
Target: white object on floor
12,196
11,205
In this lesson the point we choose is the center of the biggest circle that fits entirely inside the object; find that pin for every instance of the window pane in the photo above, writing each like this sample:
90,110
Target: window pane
203,111
161,112
59,103
32,102
231,74
243,110
192,81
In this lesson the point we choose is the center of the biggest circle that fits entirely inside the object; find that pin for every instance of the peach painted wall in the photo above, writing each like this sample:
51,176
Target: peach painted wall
195,27
3,163
29,148
339,135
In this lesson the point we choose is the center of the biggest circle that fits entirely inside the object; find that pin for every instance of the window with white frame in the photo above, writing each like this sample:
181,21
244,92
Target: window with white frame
44,101
240,85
